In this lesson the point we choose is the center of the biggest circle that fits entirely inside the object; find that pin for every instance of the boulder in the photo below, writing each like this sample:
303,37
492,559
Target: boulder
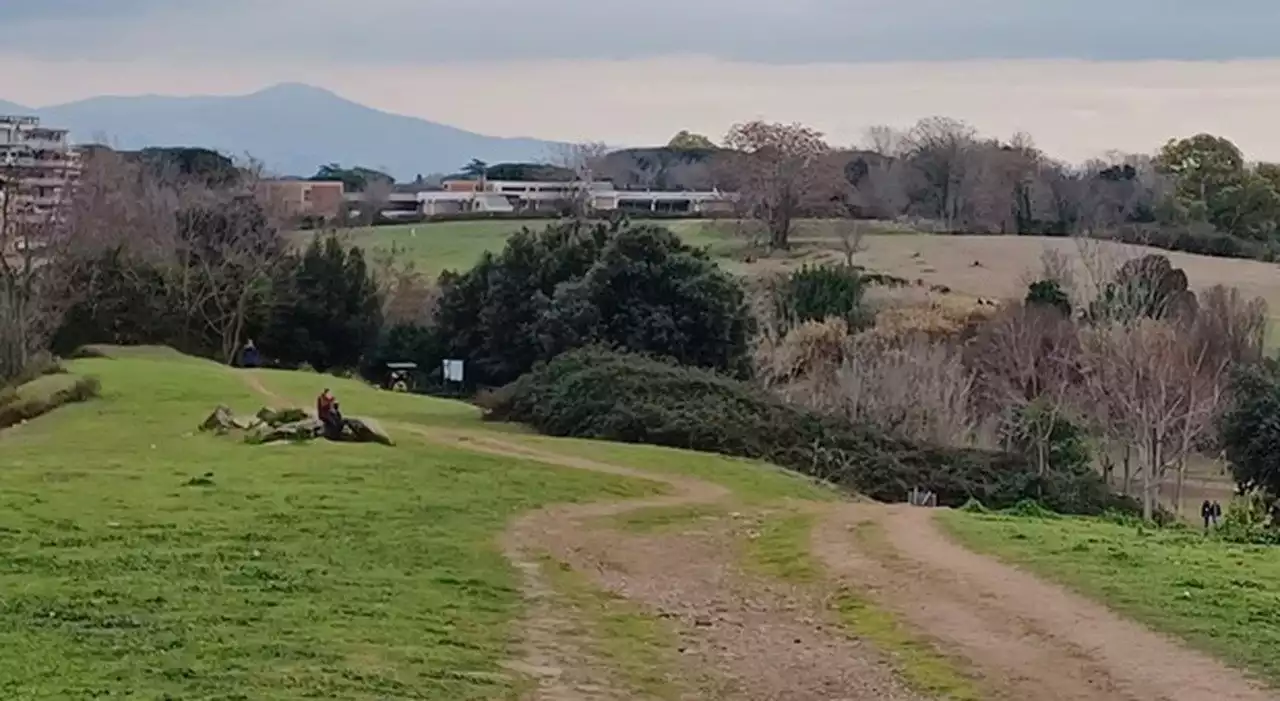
221,420
363,430
304,430
245,423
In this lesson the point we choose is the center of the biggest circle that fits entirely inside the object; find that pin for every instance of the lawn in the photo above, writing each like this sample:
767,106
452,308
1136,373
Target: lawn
435,247
144,559
1221,598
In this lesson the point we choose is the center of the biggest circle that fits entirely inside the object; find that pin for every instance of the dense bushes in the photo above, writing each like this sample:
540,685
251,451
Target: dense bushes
575,283
597,393
15,407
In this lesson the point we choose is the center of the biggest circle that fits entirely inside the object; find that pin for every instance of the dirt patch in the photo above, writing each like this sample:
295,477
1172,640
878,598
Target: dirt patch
1030,639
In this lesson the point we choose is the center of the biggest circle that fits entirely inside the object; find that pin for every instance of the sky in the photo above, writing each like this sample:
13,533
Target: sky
1081,77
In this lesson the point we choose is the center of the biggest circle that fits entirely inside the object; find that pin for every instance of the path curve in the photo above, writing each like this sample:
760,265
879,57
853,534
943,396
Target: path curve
766,644
1033,639
1027,639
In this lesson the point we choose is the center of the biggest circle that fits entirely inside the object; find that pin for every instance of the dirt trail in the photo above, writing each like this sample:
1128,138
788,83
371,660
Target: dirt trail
1025,638
1034,640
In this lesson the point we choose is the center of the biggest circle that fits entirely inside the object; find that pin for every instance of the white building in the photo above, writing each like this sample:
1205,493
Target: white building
37,168
460,196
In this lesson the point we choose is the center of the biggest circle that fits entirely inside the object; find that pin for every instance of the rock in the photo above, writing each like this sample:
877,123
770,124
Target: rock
245,423
362,430
220,420
304,430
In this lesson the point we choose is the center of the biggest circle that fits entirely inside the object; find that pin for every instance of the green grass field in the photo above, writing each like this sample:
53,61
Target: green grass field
1222,598
292,571
144,558
435,247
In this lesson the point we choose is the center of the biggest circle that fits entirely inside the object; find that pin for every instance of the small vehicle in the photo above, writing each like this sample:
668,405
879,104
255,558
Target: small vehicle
400,376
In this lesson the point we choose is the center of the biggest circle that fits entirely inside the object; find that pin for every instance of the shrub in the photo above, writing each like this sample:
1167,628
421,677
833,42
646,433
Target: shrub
815,293
17,410
597,393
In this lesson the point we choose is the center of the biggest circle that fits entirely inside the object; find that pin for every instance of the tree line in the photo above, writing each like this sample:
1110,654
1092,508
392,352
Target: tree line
1197,194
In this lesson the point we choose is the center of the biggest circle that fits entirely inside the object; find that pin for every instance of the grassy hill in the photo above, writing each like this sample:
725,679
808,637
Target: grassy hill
144,557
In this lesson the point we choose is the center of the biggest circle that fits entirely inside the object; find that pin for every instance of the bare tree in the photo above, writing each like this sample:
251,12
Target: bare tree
783,172
850,233
586,161
1151,386
1026,361
939,151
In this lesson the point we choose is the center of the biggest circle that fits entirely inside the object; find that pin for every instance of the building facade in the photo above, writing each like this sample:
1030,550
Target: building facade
305,198
37,169
459,196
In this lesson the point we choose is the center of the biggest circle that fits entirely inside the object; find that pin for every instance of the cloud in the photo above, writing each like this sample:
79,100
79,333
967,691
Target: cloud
415,32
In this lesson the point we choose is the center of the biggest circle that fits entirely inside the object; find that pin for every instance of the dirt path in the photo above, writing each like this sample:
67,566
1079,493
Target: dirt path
1031,639
1025,638
739,639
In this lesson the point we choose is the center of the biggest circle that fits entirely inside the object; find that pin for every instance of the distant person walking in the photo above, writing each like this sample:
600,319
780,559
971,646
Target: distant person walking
1206,513
1216,515
249,355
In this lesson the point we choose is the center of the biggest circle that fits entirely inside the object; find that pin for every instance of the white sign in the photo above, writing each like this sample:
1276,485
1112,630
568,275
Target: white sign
452,370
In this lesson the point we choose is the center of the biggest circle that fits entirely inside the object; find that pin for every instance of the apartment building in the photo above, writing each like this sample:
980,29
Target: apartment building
37,169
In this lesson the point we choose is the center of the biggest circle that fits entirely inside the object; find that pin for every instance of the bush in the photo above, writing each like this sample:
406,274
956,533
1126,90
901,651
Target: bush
16,410
597,393
815,293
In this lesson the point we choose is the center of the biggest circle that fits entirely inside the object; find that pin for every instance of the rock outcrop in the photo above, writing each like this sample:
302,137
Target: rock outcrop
275,425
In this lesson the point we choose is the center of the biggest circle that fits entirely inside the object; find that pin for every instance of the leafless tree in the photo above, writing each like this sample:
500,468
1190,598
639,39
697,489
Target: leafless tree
783,172
939,151
586,161
1151,386
1026,363
883,140
850,233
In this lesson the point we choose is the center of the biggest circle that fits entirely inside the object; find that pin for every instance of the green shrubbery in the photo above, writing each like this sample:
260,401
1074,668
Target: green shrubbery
597,393
16,408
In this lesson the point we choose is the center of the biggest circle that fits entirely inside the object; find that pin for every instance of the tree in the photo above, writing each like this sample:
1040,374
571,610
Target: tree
687,141
575,283
356,179
1026,361
1248,430
783,172
229,255
649,293
1147,287
327,312
475,169
585,160
939,152
1151,385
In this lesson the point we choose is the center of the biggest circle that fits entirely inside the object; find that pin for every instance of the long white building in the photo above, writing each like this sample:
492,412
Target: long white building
458,196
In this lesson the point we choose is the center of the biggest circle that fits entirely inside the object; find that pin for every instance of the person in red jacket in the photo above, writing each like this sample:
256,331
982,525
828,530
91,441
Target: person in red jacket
327,412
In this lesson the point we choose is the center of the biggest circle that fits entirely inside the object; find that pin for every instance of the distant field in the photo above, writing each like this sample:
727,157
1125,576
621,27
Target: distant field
1222,598
988,266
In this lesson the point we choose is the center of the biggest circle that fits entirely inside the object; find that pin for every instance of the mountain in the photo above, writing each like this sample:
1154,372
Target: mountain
10,108
293,129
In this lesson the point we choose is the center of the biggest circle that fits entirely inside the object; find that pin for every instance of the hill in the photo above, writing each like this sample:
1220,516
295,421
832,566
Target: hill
292,128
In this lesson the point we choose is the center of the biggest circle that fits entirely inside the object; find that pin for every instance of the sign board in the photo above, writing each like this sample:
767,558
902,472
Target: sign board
452,370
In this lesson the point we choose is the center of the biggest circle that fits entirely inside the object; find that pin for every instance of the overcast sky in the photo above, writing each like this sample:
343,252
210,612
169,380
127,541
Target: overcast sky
489,66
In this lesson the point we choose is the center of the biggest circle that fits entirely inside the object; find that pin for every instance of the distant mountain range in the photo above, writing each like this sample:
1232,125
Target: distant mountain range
293,129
